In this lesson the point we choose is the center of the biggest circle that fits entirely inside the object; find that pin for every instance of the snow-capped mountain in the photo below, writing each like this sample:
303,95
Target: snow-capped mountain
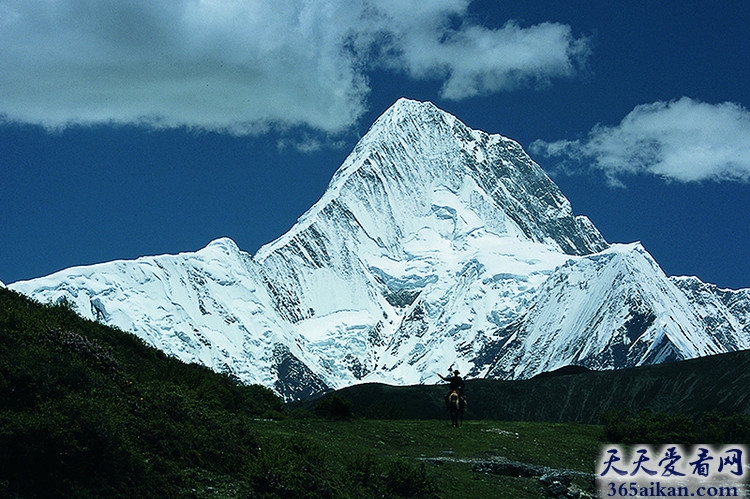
434,245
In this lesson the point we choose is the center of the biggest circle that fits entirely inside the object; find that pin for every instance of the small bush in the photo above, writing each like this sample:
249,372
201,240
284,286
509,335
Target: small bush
405,479
625,426
335,408
364,474
385,410
367,477
716,427
293,467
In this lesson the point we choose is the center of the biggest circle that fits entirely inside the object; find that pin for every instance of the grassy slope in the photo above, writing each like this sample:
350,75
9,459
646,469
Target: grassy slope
692,387
89,410
448,453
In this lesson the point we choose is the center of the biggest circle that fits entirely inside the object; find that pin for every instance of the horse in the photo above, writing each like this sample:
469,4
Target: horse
456,405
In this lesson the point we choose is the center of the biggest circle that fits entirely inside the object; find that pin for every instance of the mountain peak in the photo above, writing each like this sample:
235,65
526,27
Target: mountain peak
405,107
417,118
405,104
434,245
414,154
223,244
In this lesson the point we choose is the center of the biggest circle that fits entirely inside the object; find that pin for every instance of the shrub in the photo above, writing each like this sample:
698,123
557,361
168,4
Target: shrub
713,427
335,408
406,479
367,477
719,428
292,467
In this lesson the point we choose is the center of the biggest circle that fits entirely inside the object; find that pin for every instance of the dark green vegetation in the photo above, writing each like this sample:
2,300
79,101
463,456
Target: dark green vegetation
87,410
91,411
675,428
692,387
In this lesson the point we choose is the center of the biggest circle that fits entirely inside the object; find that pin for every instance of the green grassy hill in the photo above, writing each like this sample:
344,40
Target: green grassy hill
693,387
87,410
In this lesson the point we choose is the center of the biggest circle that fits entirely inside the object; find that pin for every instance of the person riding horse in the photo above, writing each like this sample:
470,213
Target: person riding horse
454,399
456,383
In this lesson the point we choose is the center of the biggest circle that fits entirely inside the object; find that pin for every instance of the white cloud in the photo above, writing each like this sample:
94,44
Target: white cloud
242,67
219,65
477,61
684,140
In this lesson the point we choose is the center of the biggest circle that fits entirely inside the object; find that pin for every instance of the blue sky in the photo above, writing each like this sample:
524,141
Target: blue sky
136,127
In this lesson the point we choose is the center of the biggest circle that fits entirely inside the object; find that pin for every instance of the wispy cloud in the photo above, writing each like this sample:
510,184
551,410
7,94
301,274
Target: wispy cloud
684,140
242,67
474,60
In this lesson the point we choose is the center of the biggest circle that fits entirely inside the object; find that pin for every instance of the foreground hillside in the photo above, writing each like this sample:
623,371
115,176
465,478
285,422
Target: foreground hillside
86,410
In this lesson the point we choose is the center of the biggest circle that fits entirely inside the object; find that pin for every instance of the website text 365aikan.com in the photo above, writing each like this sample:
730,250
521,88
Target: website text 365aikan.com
672,471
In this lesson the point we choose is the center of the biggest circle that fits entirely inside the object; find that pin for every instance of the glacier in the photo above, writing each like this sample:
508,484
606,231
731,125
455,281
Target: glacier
434,245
